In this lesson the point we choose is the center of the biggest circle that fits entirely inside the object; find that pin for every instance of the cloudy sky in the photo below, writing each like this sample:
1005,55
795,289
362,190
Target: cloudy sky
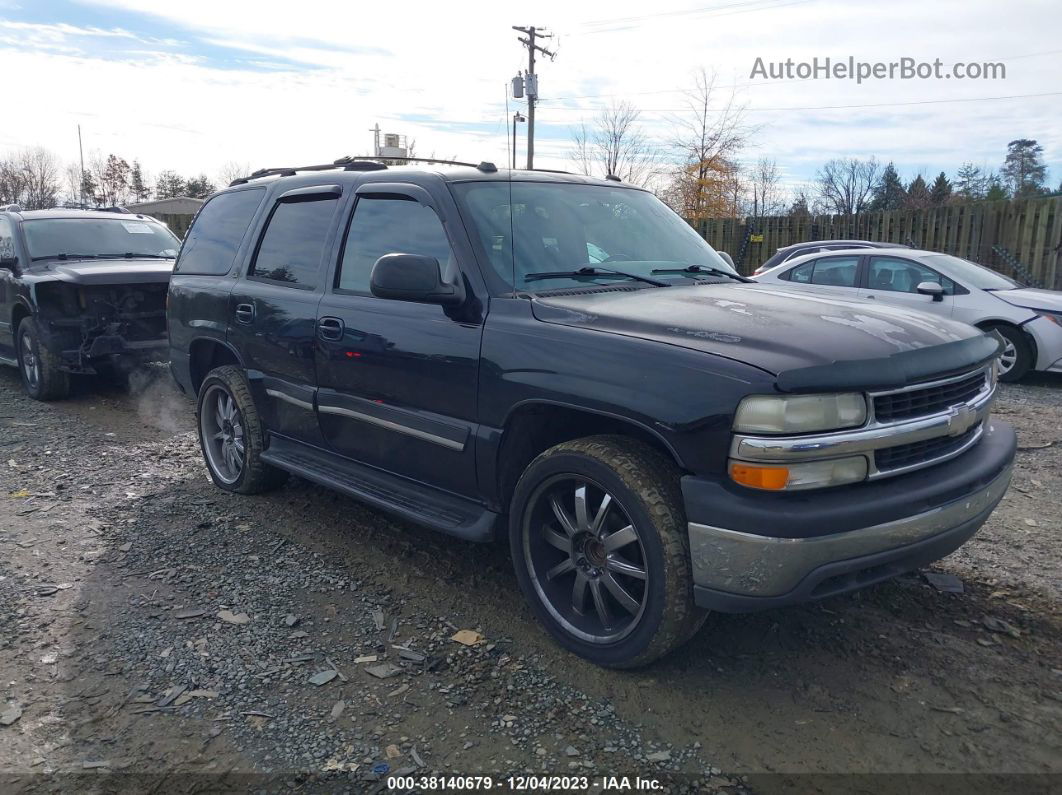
193,84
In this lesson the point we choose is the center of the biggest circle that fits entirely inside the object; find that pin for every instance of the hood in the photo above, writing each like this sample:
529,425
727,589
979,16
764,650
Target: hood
107,271
772,329
1031,298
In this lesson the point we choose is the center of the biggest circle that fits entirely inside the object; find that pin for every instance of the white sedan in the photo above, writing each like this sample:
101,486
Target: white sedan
1029,320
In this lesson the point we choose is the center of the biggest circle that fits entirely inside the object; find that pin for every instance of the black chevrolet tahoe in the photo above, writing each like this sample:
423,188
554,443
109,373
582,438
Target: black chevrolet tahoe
565,362
81,292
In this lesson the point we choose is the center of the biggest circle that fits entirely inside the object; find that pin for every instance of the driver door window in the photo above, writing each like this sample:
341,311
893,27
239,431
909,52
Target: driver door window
893,280
388,226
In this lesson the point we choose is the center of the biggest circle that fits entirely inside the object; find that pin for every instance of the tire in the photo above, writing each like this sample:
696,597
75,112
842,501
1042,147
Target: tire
41,377
650,615
231,434
1018,354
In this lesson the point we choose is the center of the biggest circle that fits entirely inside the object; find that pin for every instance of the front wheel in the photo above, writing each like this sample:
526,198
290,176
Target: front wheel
231,434
601,550
41,377
1017,357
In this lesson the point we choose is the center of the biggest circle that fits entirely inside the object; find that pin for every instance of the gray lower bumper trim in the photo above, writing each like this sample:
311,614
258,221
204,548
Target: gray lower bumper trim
754,565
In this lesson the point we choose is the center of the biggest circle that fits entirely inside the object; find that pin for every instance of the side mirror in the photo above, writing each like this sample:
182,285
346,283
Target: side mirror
9,263
932,289
412,277
728,258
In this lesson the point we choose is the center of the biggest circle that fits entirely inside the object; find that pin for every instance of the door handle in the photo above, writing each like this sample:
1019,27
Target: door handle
330,328
870,296
245,313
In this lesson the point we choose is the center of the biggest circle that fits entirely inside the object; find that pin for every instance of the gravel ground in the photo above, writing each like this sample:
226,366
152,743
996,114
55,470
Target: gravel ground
159,634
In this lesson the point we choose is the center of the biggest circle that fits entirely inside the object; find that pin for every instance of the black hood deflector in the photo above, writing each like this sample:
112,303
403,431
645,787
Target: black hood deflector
895,371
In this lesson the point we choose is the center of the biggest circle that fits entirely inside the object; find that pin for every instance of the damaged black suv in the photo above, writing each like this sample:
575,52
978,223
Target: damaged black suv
81,292
565,362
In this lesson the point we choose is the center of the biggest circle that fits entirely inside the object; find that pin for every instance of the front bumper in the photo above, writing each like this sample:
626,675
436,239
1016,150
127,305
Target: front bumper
110,347
1048,338
787,551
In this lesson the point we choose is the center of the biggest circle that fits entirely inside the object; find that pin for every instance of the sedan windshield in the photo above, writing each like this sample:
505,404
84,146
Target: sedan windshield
971,275
103,238
545,236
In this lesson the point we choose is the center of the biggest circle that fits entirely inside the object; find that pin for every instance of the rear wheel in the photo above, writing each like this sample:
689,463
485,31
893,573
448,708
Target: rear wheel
41,377
601,550
231,434
1017,357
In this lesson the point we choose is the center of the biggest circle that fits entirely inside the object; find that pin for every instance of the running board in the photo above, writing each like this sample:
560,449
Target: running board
11,362
416,503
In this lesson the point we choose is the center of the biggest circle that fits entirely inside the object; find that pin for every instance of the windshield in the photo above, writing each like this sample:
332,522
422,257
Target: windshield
562,227
971,275
98,237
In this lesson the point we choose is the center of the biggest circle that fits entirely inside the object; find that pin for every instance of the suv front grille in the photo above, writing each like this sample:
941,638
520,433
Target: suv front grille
929,400
928,450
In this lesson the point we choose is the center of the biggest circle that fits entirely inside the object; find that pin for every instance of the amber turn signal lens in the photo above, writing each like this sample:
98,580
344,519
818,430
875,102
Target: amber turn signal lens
773,478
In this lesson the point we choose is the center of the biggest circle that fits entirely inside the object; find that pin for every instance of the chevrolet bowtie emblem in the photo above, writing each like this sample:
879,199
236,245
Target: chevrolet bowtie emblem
961,420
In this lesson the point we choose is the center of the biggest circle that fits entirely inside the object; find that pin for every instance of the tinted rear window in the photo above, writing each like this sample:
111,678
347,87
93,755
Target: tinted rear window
215,236
293,244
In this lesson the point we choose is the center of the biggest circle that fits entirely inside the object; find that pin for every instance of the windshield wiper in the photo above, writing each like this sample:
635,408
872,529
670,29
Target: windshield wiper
134,255
592,270
64,255
704,269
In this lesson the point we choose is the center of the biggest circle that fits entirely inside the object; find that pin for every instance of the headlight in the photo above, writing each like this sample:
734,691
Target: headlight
1054,317
800,413
806,475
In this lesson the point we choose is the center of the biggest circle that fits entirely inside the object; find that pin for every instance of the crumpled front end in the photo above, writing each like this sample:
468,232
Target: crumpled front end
89,325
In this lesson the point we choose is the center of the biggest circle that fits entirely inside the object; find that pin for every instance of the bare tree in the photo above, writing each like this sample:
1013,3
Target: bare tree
764,195
706,141
40,174
615,145
233,170
72,182
12,182
846,185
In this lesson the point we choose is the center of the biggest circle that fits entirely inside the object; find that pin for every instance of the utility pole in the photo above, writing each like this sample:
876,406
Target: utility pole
81,176
518,116
532,82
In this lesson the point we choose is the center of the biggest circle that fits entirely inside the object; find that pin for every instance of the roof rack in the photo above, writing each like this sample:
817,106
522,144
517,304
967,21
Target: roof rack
357,163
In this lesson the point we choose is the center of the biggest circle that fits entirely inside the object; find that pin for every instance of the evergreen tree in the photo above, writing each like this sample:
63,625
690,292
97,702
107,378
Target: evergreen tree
888,193
918,194
1024,171
168,185
141,192
199,187
941,190
970,182
88,187
995,190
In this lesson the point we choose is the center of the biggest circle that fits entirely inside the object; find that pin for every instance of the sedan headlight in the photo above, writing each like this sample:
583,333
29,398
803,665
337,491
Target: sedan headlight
800,413
1054,317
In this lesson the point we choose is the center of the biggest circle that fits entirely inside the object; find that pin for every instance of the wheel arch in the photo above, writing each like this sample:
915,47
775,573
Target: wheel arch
206,353
534,426
19,313
988,325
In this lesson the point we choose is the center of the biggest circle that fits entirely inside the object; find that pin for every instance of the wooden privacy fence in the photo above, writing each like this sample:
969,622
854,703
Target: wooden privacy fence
995,234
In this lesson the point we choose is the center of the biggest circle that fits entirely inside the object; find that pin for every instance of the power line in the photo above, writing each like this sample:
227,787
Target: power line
610,26
848,107
749,84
